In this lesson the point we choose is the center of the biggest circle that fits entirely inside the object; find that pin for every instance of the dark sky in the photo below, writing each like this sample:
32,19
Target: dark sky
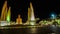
42,8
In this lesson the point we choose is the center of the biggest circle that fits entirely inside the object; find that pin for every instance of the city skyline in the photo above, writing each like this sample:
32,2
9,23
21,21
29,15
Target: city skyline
41,10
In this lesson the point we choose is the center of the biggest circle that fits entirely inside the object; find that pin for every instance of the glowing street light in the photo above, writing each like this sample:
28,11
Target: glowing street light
53,16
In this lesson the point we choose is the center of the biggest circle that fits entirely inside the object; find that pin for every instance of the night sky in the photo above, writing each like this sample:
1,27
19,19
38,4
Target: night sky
42,8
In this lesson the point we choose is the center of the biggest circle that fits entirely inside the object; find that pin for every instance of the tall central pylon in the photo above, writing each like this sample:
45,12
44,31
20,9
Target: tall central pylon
4,12
31,17
32,12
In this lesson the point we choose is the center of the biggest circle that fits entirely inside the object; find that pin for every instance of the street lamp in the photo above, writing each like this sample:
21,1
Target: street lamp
53,16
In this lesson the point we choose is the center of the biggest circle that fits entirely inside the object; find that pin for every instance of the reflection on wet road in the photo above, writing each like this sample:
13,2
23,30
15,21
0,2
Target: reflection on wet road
32,30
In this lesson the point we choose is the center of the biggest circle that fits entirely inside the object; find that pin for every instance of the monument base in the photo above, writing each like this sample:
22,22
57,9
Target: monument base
32,22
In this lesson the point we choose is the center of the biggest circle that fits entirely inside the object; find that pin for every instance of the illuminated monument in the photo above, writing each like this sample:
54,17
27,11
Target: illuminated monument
31,18
8,15
19,20
4,12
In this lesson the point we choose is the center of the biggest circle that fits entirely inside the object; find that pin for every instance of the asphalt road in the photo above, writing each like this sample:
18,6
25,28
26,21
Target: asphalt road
30,30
